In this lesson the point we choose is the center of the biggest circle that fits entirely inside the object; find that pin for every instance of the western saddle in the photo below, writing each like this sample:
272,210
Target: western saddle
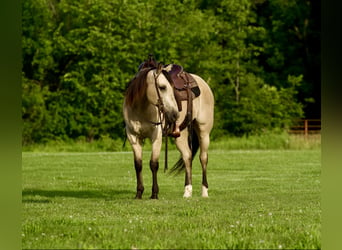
185,89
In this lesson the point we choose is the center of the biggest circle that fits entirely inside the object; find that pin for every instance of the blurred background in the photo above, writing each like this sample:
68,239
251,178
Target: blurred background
260,57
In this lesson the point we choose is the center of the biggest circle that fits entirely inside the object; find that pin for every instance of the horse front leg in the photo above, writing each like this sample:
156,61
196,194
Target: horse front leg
137,151
138,171
154,166
154,162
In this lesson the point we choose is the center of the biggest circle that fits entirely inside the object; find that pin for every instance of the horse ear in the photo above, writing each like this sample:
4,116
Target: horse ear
159,68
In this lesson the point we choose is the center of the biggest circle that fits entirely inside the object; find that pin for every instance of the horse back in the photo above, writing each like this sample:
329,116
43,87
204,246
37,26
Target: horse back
203,105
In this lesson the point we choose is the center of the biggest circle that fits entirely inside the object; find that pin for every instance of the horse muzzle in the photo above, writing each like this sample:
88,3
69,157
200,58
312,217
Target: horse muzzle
171,116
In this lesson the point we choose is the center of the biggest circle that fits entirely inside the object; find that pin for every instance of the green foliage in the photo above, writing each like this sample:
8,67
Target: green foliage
33,111
78,57
292,47
260,107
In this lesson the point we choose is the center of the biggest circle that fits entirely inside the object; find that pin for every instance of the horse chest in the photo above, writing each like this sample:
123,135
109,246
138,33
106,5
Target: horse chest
142,129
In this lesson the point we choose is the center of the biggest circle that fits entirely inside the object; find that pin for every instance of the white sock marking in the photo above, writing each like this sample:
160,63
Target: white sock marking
187,191
204,191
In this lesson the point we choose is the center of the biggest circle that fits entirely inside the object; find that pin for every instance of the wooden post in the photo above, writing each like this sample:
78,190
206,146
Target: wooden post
306,128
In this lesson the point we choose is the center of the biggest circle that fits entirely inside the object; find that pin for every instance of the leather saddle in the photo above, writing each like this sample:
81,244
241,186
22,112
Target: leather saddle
182,81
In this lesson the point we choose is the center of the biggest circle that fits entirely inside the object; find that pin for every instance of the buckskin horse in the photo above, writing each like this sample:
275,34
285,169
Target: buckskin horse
163,100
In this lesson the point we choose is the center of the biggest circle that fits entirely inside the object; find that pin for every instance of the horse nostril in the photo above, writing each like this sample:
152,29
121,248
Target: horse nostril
172,116
176,115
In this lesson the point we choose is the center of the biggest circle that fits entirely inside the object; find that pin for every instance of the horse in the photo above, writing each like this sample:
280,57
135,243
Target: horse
150,111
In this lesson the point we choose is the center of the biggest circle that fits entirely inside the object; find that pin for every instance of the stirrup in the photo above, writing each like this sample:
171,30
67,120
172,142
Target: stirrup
176,132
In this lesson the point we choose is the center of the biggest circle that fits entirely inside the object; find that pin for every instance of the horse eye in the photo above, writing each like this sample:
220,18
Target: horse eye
162,87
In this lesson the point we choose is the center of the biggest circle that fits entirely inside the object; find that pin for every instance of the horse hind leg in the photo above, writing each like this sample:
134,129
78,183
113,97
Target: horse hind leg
204,145
183,146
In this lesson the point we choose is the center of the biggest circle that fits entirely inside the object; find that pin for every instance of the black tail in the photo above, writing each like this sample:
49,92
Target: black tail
194,142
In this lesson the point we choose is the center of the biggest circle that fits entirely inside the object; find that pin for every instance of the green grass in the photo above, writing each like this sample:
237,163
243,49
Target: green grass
259,199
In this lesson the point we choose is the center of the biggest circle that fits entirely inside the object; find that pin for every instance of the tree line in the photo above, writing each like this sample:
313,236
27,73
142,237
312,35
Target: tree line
260,57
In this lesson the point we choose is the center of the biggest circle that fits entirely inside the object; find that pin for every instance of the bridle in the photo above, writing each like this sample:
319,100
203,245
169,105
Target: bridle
159,104
161,113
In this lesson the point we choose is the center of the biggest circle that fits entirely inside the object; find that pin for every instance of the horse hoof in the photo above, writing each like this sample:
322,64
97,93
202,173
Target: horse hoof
154,197
138,196
205,192
187,191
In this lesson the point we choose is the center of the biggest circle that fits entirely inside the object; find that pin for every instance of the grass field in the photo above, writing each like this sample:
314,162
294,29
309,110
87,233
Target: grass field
259,199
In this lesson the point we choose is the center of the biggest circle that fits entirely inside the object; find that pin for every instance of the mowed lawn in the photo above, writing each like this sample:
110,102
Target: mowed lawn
258,199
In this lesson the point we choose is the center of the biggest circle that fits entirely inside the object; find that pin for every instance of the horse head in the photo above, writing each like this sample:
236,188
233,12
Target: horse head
150,87
160,93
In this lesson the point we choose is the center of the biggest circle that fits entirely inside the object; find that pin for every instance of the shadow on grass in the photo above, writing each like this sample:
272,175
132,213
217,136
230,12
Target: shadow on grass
39,195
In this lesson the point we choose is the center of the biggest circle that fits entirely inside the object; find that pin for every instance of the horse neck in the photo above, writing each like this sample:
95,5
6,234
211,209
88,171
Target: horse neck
146,110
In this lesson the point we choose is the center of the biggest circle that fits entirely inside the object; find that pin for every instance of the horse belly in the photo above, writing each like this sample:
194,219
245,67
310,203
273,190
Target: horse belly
204,105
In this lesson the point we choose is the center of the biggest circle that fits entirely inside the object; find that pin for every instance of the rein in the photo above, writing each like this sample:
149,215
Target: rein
161,114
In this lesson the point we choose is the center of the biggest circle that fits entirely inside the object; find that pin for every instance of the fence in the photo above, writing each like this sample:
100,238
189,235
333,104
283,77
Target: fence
306,127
